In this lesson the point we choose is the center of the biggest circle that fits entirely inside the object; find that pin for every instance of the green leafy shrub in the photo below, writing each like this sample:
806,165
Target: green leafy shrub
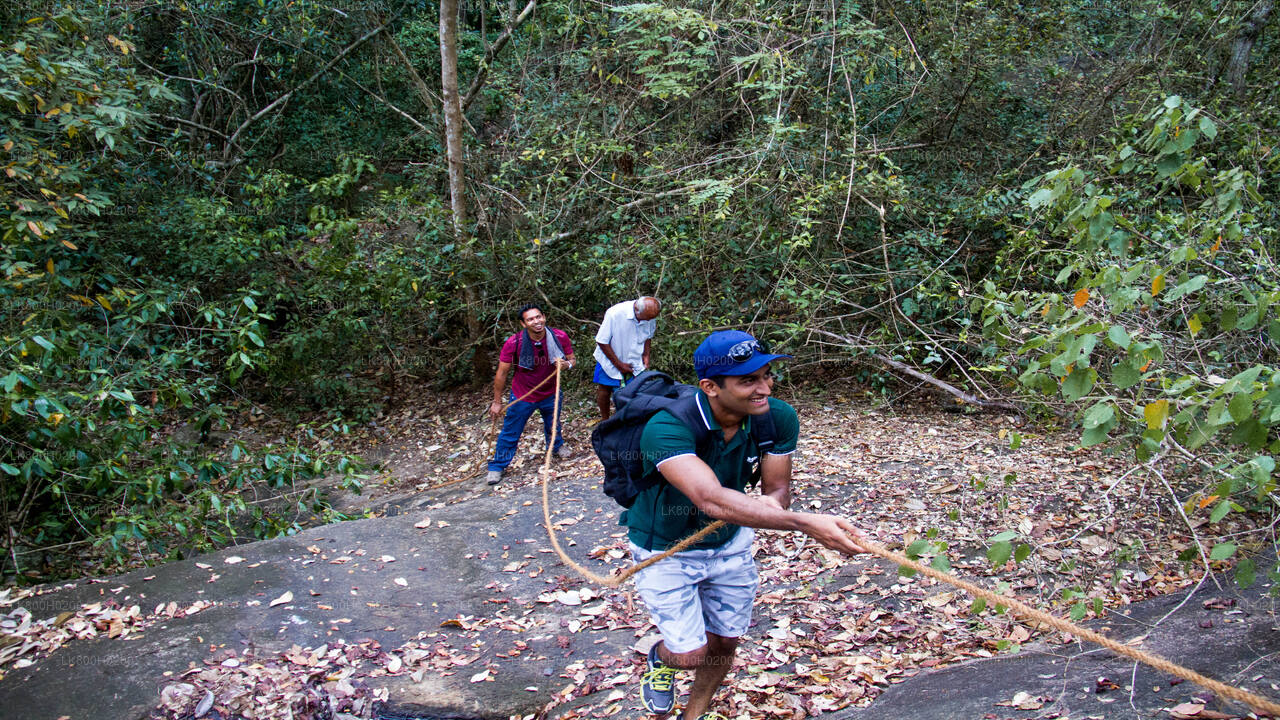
1161,325
106,355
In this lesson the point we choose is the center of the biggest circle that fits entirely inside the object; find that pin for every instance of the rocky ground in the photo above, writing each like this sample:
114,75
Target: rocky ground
449,601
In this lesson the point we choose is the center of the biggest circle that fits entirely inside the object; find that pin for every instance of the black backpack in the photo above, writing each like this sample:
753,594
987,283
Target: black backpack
617,440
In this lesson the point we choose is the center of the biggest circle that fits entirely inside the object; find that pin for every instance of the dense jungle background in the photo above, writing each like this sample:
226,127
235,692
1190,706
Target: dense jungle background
218,209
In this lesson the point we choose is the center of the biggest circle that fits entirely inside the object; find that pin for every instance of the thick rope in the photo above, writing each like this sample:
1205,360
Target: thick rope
1257,702
613,580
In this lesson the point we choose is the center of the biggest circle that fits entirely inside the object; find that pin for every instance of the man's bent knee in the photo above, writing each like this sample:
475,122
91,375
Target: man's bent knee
685,660
720,645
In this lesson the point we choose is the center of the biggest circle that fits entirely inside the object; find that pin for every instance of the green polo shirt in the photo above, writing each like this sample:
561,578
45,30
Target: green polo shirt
661,515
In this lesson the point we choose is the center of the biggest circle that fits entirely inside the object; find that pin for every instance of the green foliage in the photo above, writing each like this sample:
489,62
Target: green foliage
71,106
86,407
936,550
998,195
1158,329
669,48
105,352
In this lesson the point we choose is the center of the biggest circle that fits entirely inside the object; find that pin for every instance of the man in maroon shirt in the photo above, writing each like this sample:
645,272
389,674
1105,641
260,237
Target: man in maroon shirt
535,352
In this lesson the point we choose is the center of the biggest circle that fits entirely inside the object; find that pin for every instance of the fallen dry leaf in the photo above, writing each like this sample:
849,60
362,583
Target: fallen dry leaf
1023,701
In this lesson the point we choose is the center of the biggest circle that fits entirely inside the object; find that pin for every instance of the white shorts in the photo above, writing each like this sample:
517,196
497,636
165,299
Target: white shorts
699,591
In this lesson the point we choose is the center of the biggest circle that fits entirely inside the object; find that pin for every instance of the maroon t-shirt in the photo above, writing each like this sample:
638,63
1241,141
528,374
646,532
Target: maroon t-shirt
525,380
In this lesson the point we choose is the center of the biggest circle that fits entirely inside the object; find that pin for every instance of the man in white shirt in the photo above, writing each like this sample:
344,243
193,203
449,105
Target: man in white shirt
622,346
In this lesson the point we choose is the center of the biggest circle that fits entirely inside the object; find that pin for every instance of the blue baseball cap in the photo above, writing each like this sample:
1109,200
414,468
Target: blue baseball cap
730,352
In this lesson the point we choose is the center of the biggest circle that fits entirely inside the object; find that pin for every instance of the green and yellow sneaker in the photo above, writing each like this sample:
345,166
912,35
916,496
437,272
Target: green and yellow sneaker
658,685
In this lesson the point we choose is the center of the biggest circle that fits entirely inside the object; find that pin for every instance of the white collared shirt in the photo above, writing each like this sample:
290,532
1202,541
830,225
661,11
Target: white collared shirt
625,336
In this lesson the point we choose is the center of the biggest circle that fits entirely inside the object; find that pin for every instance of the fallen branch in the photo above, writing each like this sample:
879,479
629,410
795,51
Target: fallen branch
950,389
947,387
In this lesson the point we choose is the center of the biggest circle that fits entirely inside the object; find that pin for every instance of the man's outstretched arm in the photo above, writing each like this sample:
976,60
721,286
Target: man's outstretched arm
693,477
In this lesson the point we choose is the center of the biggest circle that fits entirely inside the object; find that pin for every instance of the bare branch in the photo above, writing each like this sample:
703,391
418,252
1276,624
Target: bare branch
231,142
646,200
198,126
193,81
429,100
387,103
478,81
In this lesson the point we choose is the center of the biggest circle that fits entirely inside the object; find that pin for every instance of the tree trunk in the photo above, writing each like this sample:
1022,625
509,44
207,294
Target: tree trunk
457,174
452,112
1250,29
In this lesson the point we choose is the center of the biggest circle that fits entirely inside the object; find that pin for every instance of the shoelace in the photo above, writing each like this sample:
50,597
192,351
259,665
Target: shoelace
660,678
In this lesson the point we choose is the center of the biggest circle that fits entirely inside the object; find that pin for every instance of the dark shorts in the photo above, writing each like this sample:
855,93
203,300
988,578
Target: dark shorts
602,378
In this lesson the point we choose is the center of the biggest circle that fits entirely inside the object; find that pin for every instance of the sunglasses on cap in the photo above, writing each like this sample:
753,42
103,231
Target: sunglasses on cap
743,351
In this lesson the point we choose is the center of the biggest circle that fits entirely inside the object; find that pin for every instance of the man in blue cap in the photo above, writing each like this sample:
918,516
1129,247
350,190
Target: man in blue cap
700,599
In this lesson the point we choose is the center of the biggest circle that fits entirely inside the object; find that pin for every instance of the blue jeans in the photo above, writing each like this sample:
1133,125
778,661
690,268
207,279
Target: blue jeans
518,414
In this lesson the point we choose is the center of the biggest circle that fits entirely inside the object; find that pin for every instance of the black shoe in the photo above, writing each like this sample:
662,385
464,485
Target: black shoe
658,685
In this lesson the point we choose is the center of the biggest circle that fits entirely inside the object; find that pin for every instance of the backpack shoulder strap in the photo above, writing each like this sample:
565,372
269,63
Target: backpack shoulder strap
686,411
764,431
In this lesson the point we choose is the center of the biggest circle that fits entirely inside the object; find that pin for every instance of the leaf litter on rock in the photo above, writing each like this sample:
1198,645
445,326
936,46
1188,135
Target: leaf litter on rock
830,633
1049,492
